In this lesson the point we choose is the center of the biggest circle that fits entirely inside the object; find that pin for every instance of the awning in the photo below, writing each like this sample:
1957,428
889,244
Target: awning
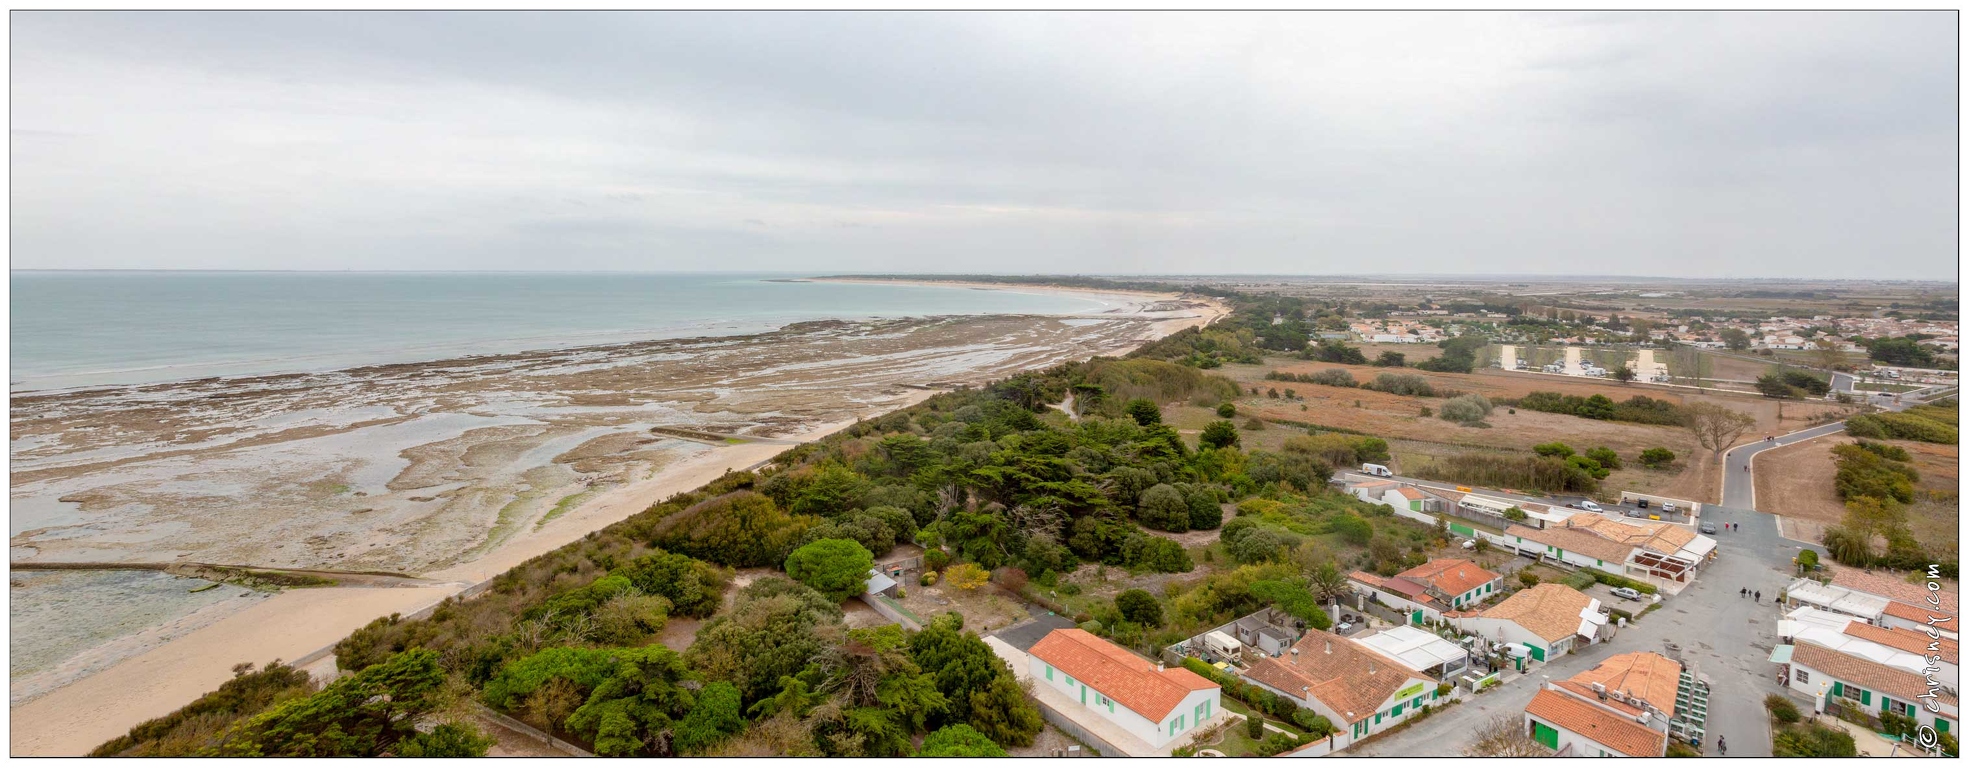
1781,654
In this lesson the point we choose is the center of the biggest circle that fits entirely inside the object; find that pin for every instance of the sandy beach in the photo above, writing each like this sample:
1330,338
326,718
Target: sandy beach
452,470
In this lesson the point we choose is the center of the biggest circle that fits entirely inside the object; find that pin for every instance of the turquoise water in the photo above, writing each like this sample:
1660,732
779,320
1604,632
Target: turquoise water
73,329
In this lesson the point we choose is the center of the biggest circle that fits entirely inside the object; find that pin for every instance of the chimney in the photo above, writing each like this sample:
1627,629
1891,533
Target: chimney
1158,666
1329,647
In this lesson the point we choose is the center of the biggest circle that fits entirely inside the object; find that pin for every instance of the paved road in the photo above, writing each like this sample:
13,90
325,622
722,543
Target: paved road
1738,489
1708,628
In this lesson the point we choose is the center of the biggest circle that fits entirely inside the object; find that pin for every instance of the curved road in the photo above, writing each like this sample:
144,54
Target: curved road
1739,491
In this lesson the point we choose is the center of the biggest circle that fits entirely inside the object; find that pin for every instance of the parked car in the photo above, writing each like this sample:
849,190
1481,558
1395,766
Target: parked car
1667,507
1708,527
1642,503
1633,513
1377,470
1585,504
1626,593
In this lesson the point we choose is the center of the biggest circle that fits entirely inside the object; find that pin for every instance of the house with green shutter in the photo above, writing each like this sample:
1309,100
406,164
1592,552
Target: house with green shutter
1831,678
1358,689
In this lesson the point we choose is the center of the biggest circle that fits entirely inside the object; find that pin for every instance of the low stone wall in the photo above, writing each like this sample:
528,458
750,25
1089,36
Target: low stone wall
890,612
530,731
1067,726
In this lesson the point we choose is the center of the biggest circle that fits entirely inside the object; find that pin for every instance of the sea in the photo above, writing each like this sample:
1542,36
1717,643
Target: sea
82,329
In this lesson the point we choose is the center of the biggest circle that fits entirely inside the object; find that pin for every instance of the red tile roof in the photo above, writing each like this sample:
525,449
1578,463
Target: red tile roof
1411,494
1921,614
1912,641
1548,610
1454,577
1898,683
1648,676
1617,733
1132,681
1338,672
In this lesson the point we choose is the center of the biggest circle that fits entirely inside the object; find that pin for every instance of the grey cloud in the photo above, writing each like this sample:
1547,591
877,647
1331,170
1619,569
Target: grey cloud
1712,144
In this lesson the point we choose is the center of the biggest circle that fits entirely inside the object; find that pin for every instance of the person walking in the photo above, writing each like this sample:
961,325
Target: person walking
1745,592
1758,596
1722,747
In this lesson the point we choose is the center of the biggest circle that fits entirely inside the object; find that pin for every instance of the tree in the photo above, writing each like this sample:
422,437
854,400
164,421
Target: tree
1465,409
1554,449
446,740
1219,434
1527,578
1391,360
1734,338
1605,456
837,568
714,717
1826,351
1327,581
966,576
1657,458
1352,528
1139,607
1624,373
1143,411
357,716
1808,560
1164,508
1505,736
1226,410
1717,427
959,740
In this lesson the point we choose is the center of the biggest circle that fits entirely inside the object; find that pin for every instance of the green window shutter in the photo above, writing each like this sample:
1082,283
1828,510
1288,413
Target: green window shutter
1398,710
1837,689
1377,718
1866,697
1941,725
1049,671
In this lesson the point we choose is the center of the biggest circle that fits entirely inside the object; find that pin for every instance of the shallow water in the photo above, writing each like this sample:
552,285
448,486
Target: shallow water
74,329
57,616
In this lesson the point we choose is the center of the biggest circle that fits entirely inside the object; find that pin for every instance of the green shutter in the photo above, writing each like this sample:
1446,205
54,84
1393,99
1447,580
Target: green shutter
1836,688
1049,671
1398,710
1866,697
1941,724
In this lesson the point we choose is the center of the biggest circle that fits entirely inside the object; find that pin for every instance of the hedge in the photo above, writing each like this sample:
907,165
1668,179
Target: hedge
1620,581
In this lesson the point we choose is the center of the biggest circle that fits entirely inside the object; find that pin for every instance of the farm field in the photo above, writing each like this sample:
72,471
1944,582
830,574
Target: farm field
1415,439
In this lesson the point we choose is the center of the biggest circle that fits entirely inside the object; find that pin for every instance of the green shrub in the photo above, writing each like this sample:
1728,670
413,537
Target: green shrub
1657,458
1605,456
1227,410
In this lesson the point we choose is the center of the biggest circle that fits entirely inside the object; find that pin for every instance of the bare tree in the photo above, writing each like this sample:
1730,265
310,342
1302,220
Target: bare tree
1717,427
1505,736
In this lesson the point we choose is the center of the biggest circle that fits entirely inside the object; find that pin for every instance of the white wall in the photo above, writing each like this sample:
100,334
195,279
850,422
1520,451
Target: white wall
1153,732
1500,630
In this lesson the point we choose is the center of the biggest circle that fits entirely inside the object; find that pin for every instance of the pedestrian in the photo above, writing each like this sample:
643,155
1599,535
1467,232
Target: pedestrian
1745,592
1758,596
1722,747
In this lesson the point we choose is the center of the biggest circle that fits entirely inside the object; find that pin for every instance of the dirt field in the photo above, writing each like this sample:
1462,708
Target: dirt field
1415,438
1796,481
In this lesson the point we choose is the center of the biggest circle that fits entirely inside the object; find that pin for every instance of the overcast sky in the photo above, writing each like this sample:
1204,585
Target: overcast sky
1707,145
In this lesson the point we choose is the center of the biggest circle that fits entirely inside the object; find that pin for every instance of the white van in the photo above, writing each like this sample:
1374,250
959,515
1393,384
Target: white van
1588,505
1377,470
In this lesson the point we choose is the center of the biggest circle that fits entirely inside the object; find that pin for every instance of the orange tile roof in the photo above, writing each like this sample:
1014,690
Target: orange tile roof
1921,614
1132,681
1338,672
1892,588
1617,733
1912,641
1548,610
1573,540
1411,494
1454,577
1650,677
1664,538
1366,578
1898,683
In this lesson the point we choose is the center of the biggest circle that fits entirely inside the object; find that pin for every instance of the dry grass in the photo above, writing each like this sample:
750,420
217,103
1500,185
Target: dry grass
1797,481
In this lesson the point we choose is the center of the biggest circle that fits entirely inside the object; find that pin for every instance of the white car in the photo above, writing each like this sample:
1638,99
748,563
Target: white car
1667,507
1585,505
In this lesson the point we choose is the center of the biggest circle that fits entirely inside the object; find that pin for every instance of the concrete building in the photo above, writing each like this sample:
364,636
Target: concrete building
1358,689
1549,619
1150,702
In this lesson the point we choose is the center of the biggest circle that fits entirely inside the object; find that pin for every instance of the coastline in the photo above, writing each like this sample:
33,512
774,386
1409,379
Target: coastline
300,625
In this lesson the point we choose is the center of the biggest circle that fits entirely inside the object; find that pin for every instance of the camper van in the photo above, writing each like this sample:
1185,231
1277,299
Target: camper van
1377,470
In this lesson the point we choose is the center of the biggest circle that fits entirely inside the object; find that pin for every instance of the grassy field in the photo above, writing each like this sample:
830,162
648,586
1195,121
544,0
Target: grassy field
1414,438
1797,481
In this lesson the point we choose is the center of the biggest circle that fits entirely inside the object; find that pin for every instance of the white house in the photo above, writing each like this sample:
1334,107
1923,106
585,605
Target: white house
1426,591
1550,619
1828,676
1354,687
1619,708
1904,649
1152,703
